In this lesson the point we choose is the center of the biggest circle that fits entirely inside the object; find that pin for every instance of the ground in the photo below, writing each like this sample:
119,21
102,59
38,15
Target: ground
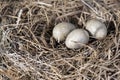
28,50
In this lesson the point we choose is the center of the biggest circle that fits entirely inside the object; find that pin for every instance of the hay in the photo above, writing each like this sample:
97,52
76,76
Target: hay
29,52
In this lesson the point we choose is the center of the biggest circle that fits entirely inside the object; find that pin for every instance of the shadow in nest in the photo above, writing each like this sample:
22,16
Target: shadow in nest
111,27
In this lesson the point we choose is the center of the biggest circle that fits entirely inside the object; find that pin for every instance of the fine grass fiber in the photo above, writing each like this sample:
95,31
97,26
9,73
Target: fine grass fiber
29,52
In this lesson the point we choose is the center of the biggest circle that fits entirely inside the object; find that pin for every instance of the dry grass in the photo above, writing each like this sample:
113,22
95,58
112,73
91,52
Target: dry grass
29,52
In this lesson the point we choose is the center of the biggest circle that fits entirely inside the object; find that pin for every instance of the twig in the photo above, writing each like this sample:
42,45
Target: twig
19,15
42,3
89,7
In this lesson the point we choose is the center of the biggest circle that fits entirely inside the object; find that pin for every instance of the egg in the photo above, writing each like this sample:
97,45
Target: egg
77,38
61,30
97,28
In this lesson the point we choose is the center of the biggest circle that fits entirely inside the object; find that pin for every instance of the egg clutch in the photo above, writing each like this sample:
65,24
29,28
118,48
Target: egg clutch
75,38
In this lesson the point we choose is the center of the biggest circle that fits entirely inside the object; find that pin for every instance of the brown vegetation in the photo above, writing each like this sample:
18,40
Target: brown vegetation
29,52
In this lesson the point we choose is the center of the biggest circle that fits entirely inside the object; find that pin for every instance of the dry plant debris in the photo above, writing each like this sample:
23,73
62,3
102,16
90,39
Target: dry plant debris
29,52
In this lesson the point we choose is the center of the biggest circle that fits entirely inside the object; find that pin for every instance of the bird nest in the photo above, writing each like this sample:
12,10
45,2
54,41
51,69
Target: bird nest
28,50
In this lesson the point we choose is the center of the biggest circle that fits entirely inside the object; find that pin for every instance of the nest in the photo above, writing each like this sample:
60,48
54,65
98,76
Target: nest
29,52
